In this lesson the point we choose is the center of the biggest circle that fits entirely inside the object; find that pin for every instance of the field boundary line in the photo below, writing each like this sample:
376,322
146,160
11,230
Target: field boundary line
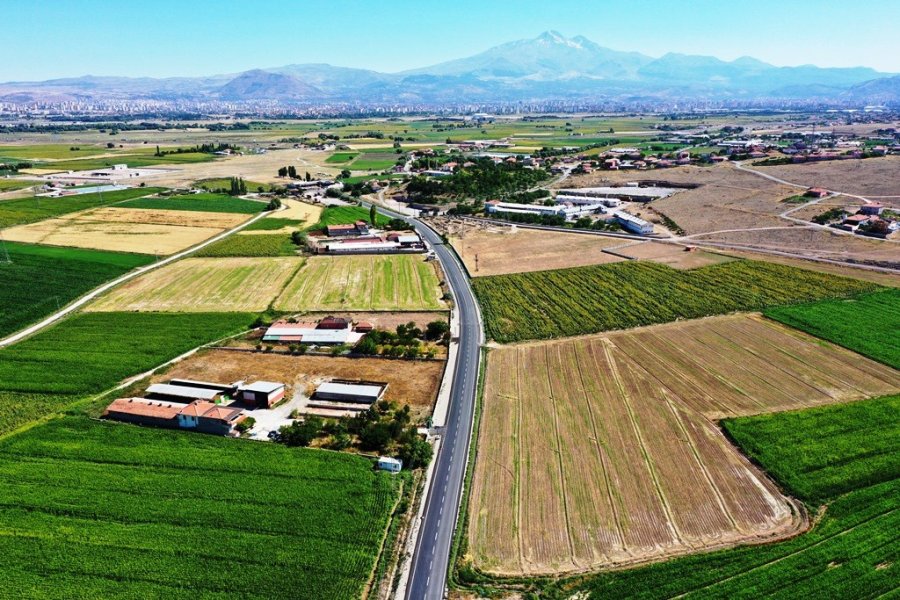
518,465
559,451
86,298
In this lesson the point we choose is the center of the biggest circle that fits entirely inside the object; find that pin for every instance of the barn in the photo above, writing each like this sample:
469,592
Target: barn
182,393
357,392
263,394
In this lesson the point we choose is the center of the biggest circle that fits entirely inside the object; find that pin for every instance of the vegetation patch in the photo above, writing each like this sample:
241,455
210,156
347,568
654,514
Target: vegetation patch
272,224
547,304
119,510
39,279
30,210
268,244
199,202
867,324
337,215
341,157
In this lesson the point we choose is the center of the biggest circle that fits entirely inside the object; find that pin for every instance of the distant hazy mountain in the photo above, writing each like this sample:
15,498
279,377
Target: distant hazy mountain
548,67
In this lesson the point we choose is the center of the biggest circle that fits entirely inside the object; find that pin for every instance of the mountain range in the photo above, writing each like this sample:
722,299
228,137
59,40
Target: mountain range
549,67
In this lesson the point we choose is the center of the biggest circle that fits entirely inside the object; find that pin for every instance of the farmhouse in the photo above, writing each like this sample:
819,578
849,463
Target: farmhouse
207,417
199,415
357,392
263,394
816,192
871,208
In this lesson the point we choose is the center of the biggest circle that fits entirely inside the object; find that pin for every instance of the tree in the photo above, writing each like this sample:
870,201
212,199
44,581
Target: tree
375,437
299,238
373,214
282,172
246,425
300,433
308,176
345,173
436,330
414,451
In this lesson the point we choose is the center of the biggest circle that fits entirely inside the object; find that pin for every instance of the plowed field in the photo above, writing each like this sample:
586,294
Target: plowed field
602,450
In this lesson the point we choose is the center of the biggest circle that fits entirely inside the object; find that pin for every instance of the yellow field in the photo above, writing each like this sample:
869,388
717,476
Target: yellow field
300,211
389,282
148,231
602,451
204,285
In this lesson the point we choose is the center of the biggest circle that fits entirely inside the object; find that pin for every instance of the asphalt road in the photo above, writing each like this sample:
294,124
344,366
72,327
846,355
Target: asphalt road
428,574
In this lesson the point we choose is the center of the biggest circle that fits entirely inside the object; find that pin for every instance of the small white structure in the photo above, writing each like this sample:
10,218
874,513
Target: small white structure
391,465
634,224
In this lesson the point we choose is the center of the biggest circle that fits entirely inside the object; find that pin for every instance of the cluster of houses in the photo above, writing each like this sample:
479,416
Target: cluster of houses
203,406
870,220
330,331
360,238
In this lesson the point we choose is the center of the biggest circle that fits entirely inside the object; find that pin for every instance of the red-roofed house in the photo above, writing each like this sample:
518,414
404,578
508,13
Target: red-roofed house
816,192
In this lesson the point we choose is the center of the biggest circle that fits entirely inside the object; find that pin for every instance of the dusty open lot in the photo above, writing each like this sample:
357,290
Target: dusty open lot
409,382
601,451
204,285
677,257
872,177
516,250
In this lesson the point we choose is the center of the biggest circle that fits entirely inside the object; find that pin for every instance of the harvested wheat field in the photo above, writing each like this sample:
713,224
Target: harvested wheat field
602,451
147,231
203,285
412,382
502,250
674,255
871,177
371,282
302,211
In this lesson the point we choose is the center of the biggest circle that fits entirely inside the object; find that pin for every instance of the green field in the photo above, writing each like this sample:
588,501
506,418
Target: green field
206,202
577,301
132,160
224,183
273,244
7,185
868,324
30,210
32,152
101,510
371,282
337,215
374,161
816,455
90,352
39,279
341,157
273,224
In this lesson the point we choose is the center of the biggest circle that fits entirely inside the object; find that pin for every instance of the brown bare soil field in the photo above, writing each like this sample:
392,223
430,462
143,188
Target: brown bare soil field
602,451
162,217
677,257
412,382
871,177
813,243
516,250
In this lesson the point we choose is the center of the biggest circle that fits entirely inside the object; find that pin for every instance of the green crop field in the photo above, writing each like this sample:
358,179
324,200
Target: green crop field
341,157
31,152
132,160
371,282
336,215
39,279
7,185
566,302
90,352
206,202
845,455
101,510
374,161
868,324
272,224
30,210
271,244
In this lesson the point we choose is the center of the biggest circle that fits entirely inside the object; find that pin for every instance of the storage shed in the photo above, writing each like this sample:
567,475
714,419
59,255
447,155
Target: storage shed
363,392
392,465
263,394
182,393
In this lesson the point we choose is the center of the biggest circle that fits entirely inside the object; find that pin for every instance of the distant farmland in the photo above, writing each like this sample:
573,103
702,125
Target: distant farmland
207,202
869,324
38,279
29,210
204,285
115,510
375,282
567,302
600,451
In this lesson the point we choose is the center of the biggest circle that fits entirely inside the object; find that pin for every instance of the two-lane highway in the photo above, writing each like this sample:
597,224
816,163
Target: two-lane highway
428,573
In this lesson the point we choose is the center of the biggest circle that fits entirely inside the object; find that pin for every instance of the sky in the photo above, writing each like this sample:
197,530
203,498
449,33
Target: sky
163,38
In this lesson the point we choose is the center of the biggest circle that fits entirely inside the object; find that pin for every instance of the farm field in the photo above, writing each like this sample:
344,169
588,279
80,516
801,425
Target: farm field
672,255
337,215
29,210
601,451
374,161
411,382
374,282
341,157
90,352
38,279
849,553
581,300
124,511
502,250
203,285
206,202
300,211
872,177
867,324
16,184
258,243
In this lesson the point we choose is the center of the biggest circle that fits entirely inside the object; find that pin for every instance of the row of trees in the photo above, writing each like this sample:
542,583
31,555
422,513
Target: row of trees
291,172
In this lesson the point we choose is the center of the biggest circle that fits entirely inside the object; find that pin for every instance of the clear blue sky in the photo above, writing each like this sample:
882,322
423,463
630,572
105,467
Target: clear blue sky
57,38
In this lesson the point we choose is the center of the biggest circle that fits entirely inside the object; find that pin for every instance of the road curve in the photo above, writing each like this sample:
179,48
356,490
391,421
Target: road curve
428,572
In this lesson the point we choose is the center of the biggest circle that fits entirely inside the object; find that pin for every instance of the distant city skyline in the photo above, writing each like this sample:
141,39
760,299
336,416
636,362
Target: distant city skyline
168,38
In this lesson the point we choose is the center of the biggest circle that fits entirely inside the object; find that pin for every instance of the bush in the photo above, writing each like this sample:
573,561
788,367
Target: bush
246,425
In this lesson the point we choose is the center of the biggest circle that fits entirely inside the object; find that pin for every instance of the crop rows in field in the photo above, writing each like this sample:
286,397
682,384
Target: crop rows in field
338,215
90,352
260,245
567,302
206,202
204,285
163,514
868,324
36,280
30,210
600,451
372,282
844,455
